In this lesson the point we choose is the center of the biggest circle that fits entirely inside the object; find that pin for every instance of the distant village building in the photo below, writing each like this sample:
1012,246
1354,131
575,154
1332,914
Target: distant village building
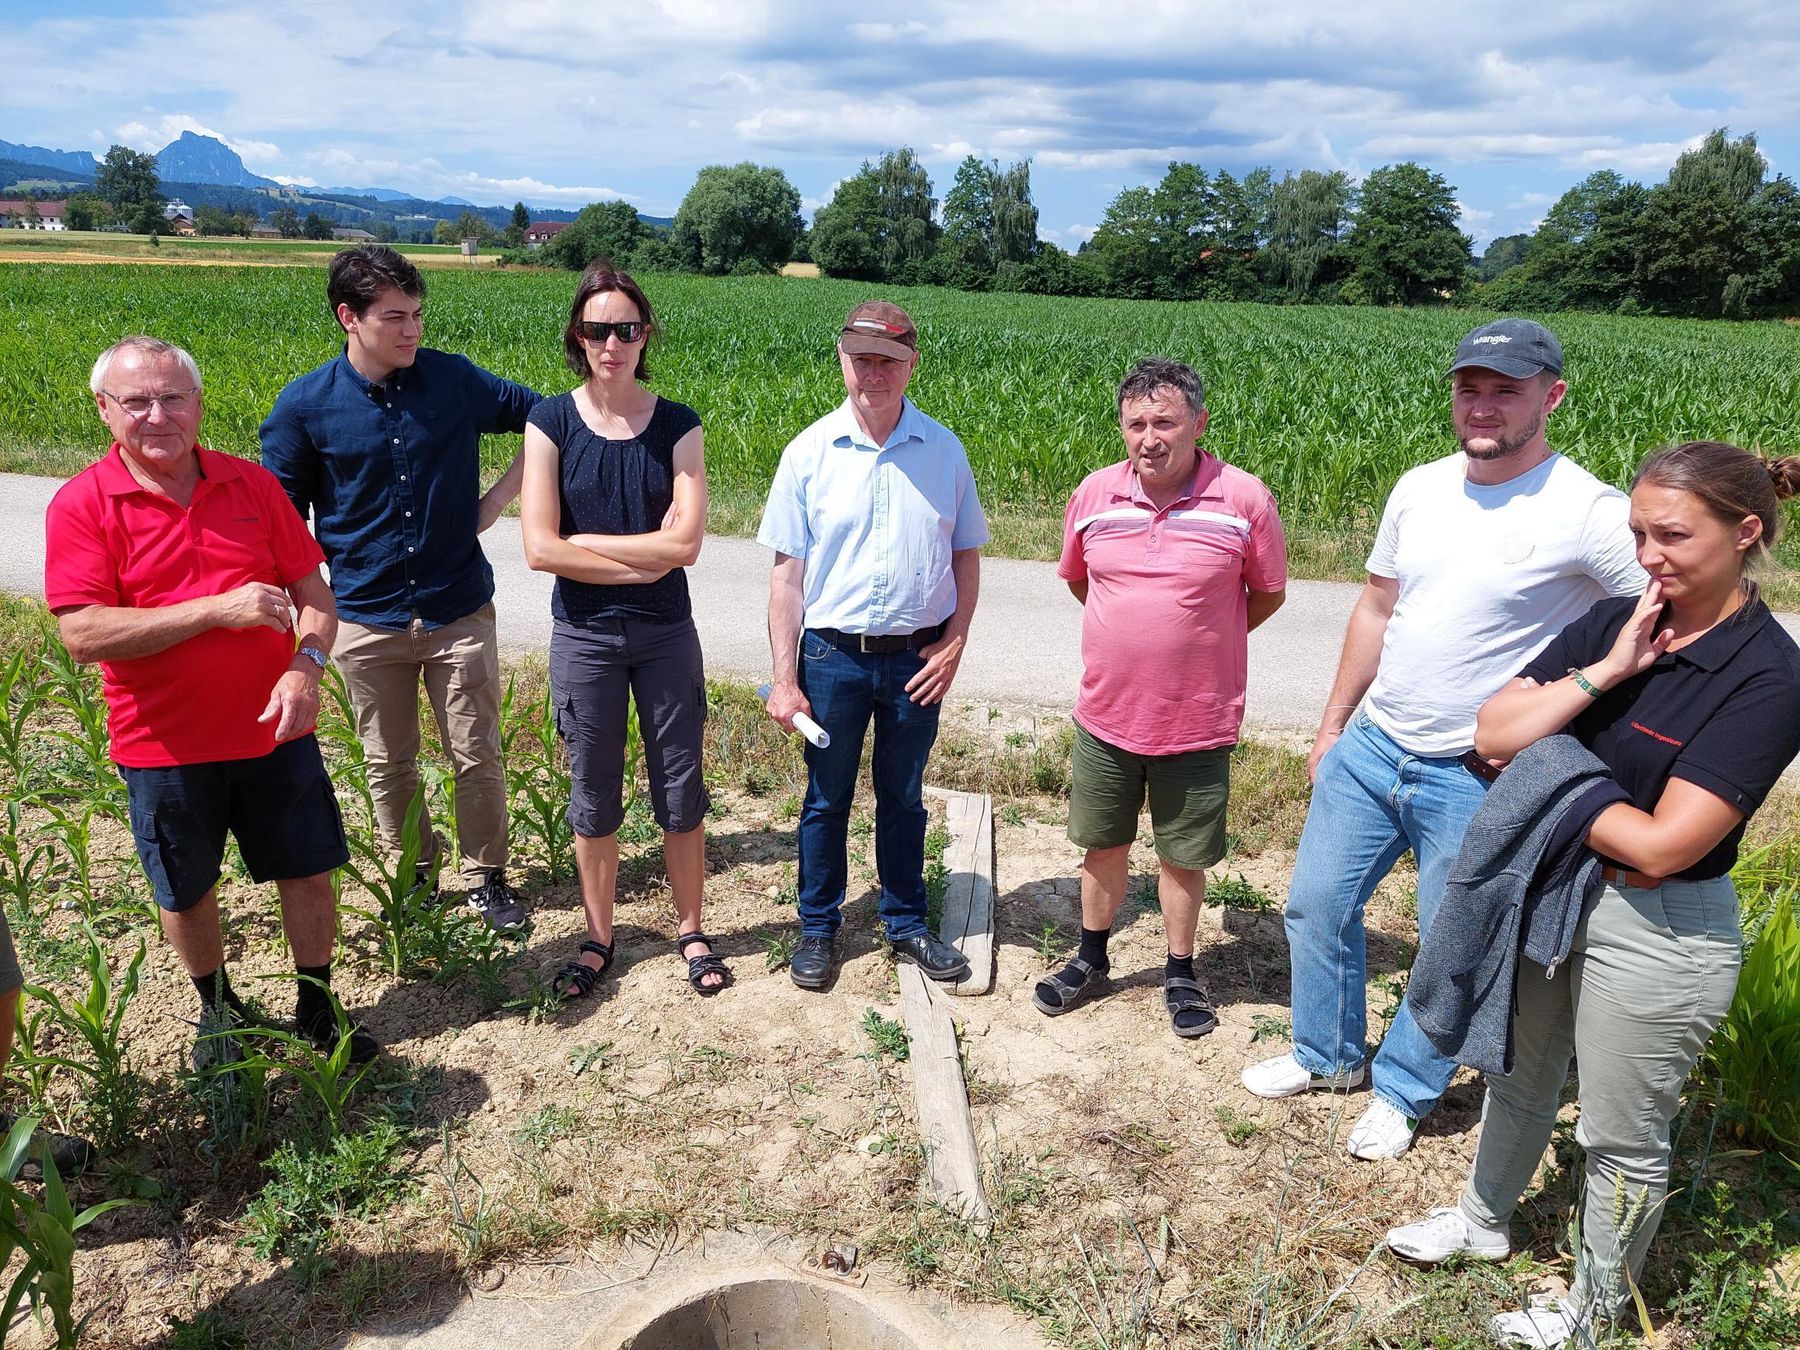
536,236
23,213
353,236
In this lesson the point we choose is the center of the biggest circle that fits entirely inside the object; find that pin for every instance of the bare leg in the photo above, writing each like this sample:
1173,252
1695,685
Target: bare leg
597,860
309,917
194,934
1181,891
684,858
1104,874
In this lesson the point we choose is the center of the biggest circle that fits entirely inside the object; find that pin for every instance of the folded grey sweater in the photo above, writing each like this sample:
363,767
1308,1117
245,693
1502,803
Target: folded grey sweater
1520,883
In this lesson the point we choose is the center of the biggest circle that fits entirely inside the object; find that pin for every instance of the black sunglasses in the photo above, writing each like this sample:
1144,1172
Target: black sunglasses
631,330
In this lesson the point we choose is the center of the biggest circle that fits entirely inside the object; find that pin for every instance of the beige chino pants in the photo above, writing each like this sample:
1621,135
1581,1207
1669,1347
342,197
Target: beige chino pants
460,665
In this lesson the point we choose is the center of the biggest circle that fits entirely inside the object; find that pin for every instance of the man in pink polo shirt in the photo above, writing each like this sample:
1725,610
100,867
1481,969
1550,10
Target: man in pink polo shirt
1175,557
191,579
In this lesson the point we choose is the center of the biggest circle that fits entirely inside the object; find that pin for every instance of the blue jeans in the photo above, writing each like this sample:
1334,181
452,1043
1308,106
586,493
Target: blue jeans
846,690
1371,802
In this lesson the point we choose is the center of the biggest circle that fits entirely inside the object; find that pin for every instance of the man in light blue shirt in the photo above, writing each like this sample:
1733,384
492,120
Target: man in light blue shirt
877,534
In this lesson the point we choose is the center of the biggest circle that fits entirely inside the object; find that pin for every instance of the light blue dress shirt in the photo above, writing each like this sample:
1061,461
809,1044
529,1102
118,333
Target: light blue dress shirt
874,525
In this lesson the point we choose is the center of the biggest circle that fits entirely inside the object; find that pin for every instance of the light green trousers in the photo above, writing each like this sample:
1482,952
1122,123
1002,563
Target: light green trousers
1650,977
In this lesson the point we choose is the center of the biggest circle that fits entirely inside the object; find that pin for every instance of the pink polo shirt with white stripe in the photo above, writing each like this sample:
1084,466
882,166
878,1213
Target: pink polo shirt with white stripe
1164,641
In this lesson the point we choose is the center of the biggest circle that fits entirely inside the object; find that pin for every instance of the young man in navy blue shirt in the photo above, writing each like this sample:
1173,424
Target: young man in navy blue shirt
381,446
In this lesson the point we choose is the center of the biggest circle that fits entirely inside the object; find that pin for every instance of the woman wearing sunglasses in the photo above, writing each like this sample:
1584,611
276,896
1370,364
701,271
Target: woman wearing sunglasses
1690,695
614,504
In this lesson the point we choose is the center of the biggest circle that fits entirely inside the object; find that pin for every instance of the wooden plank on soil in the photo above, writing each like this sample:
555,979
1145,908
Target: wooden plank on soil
945,1128
968,921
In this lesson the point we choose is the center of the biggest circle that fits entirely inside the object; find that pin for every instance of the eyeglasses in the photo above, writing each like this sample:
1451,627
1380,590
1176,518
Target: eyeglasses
631,330
173,403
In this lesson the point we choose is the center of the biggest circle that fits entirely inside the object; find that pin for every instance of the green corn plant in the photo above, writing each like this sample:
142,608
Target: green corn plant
328,1079
26,868
21,695
1751,1067
402,904
94,1022
71,689
73,829
41,1236
541,786
337,733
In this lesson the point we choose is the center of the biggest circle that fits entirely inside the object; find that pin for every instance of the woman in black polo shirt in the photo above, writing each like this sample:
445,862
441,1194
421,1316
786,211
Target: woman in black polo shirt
614,503
1691,696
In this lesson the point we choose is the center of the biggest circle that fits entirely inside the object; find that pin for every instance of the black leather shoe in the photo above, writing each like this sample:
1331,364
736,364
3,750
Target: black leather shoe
811,964
939,960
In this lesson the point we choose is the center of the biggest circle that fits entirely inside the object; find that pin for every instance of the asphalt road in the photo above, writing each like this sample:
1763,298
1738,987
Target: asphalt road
1024,650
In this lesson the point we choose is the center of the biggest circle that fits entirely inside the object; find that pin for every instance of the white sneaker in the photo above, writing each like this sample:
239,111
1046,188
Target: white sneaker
1547,1323
1446,1232
1381,1131
1285,1076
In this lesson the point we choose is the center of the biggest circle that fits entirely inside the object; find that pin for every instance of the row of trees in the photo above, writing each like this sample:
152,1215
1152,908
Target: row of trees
1719,237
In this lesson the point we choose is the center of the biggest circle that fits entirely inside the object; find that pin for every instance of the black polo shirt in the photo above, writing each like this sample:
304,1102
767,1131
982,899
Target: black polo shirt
1722,713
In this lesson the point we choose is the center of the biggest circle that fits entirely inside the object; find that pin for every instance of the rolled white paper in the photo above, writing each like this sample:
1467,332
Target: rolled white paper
802,723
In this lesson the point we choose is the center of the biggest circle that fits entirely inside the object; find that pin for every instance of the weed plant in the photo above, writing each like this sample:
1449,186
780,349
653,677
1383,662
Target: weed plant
886,1035
309,1191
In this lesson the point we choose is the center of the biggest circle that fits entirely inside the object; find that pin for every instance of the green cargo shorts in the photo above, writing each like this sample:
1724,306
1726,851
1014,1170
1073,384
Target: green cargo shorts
1187,795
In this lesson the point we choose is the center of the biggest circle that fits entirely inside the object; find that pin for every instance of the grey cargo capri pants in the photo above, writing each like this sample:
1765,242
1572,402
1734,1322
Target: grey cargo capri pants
594,665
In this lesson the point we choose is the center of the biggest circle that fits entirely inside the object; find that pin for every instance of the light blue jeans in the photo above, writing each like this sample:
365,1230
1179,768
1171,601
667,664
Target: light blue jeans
1371,802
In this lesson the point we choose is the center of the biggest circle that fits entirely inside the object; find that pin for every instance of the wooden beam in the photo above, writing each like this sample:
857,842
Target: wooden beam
945,1127
969,860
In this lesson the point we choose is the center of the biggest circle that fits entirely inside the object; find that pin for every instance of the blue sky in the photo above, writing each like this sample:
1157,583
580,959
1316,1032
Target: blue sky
562,102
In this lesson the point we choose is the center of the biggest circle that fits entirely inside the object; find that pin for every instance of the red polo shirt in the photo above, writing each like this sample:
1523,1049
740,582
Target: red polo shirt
111,542
1164,632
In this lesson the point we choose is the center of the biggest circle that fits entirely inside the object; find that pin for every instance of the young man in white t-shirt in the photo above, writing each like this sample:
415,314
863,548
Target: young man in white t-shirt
1482,557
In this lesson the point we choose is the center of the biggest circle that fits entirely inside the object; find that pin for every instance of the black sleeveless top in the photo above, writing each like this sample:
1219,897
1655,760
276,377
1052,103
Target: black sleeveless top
617,487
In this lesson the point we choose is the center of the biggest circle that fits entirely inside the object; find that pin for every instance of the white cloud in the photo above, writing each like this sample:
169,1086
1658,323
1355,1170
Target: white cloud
500,98
154,137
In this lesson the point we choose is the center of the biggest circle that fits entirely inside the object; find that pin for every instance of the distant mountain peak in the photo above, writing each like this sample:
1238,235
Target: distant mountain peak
192,158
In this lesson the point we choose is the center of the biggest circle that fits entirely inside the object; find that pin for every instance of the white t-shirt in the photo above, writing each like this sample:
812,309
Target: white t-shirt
1487,576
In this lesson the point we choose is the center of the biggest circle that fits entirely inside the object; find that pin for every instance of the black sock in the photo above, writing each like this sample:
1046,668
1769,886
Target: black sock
215,989
1093,946
313,1005
1179,967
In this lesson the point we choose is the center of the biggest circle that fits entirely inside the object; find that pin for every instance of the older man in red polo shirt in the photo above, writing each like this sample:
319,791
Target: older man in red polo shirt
1175,557
192,581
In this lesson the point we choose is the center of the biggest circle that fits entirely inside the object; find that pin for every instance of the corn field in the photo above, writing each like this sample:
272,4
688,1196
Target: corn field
1326,405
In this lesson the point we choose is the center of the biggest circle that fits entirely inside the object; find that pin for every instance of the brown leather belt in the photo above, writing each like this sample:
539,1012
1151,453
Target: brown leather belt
1624,876
1478,766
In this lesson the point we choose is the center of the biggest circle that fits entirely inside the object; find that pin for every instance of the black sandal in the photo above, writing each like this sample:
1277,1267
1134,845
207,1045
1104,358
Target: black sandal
1056,994
1182,995
701,966
581,977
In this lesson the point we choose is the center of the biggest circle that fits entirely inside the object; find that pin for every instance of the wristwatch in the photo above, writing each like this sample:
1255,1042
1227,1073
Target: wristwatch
313,654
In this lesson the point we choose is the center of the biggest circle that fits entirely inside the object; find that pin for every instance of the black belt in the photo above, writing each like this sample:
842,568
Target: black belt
880,642
1478,766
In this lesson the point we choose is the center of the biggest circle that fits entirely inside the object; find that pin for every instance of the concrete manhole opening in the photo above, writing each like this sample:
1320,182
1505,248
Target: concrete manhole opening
773,1314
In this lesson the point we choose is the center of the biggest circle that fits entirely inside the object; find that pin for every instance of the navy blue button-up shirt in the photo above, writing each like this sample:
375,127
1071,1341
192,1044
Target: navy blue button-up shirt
391,476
